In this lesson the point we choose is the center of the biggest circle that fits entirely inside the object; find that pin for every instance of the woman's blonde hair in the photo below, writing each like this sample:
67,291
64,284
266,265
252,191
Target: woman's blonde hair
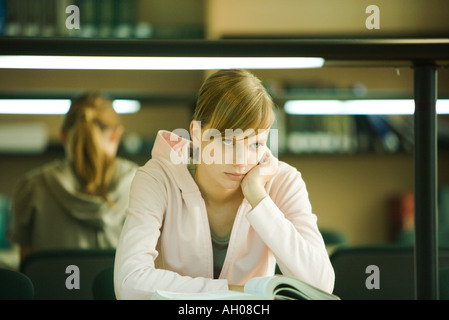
234,99
89,115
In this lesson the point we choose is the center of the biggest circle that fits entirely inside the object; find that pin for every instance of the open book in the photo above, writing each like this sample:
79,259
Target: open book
260,288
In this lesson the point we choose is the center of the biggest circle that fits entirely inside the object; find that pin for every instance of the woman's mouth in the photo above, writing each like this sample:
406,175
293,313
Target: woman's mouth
235,176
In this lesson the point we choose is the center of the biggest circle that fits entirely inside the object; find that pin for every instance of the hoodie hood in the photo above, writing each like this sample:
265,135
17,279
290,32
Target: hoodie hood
170,146
60,179
174,153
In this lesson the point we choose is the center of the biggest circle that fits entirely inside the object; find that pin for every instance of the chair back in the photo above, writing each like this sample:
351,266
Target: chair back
333,237
385,272
66,274
444,283
15,286
103,285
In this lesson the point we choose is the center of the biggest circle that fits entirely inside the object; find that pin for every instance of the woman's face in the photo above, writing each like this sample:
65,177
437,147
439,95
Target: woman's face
224,160
110,140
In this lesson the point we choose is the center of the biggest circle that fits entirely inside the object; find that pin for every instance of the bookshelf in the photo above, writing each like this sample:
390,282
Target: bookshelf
139,19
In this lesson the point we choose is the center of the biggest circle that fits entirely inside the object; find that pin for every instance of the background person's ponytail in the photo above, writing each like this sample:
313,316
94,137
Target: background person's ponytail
84,128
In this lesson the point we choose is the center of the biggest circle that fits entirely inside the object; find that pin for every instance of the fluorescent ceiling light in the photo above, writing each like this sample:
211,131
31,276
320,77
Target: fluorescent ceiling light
156,63
126,106
56,106
23,137
358,107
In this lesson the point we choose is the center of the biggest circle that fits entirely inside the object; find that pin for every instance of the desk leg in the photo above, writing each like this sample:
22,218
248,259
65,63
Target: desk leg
425,157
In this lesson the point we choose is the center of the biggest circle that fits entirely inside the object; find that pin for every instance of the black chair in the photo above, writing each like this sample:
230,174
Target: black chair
444,283
333,237
395,271
15,286
66,274
103,285
407,238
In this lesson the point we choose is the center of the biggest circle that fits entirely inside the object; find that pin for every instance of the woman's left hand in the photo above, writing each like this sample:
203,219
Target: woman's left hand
253,184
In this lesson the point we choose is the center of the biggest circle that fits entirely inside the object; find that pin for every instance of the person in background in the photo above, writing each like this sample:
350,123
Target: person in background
79,201
200,220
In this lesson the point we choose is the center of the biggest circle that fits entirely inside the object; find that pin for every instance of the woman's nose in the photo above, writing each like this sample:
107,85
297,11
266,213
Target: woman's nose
243,156
240,154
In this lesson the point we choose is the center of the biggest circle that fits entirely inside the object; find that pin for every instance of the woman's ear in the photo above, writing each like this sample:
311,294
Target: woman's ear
195,135
63,136
116,134
195,132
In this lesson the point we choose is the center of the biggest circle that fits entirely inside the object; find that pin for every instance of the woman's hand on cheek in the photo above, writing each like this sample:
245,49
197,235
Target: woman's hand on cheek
253,185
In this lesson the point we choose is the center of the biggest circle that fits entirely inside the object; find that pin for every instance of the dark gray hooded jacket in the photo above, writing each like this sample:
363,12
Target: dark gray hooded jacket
49,211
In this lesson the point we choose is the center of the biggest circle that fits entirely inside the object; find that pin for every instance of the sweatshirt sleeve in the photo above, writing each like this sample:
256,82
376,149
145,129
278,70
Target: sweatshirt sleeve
135,274
285,222
22,212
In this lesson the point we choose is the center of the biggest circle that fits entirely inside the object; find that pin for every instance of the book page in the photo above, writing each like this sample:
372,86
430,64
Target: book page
260,286
283,288
298,289
211,295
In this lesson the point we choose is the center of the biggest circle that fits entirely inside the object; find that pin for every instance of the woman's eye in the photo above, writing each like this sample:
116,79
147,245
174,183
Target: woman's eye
227,142
257,145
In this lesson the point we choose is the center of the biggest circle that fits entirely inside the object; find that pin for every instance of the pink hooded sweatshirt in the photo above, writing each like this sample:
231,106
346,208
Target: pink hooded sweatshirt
166,244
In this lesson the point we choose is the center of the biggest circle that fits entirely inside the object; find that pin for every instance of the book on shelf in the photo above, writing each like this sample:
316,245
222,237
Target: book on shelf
387,140
14,13
259,288
60,18
349,133
403,126
402,215
47,18
322,134
364,136
104,13
2,17
125,20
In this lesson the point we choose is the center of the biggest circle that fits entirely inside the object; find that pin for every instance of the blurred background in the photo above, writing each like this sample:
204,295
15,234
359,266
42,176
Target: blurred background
358,168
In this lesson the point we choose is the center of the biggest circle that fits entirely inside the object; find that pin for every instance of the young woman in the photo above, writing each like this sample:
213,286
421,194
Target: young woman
80,201
212,213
